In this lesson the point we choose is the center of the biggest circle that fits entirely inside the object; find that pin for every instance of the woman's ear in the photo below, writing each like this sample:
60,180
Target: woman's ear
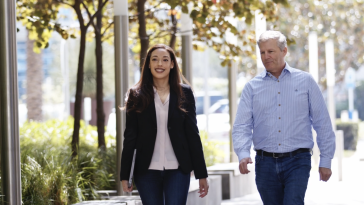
172,65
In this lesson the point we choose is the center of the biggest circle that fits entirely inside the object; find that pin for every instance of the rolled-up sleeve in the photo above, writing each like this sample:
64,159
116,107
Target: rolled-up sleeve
243,125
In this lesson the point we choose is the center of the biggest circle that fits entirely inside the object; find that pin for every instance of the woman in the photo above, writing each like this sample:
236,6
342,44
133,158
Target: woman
161,125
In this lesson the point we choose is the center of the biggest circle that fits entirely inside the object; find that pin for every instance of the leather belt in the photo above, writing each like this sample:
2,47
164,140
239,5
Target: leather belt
286,154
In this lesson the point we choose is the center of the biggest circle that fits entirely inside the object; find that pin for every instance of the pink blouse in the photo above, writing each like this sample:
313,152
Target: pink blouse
163,155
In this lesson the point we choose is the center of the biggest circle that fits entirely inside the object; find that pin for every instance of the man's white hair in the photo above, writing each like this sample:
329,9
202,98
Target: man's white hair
276,35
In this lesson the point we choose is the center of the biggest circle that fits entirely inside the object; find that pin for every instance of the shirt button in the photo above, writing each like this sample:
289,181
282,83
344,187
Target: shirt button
279,92
279,131
279,118
278,81
279,144
279,104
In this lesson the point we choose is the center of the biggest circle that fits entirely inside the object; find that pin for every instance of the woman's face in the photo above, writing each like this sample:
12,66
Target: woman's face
160,64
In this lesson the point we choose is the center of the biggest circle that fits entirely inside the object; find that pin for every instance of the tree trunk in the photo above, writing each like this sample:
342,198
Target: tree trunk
144,38
34,83
172,42
79,83
99,82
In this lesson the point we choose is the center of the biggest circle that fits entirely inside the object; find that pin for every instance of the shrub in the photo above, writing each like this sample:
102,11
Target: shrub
212,150
51,176
350,130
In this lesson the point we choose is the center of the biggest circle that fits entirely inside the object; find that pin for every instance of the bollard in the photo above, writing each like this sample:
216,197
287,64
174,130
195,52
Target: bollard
340,152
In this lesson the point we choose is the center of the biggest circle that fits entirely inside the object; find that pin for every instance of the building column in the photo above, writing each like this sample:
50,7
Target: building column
260,27
330,80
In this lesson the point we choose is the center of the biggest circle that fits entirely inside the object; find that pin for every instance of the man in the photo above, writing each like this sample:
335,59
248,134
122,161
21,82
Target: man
276,111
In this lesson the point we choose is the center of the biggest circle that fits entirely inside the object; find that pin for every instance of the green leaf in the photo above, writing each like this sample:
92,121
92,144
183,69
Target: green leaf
194,14
201,19
185,9
39,44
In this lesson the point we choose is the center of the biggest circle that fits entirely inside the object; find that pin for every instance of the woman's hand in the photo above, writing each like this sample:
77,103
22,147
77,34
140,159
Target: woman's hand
124,183
204,187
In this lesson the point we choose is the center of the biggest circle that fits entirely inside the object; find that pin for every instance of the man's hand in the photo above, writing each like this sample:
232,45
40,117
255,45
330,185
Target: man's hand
124,183
325,174
243,165
204,187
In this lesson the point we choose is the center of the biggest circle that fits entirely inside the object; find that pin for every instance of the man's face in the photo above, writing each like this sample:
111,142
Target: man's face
272,57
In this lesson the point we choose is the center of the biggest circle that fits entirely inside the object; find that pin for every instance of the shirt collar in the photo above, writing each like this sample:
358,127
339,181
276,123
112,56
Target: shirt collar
286,68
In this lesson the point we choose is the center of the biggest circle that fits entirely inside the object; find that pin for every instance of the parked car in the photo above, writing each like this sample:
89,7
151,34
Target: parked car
218,120
199,97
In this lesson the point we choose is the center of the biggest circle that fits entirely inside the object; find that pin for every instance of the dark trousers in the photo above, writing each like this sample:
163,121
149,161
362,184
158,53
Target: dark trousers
283,181
167,187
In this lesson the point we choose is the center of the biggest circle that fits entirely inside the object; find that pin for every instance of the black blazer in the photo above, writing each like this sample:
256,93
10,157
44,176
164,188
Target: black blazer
141,131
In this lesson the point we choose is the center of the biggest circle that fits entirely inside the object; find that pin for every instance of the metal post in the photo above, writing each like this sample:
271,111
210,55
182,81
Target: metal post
121,30
313,68
186,33
9,124
232,73
330,75
260,27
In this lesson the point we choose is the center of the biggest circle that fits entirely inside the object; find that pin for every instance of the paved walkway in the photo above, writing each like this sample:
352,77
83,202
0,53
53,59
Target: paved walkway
349,191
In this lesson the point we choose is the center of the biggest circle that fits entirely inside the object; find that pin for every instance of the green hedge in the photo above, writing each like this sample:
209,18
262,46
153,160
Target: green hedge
212,149
351,133
49,174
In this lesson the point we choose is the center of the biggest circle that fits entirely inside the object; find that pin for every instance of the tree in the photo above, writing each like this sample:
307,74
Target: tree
100,29
339,20
34,82
210,23
39,17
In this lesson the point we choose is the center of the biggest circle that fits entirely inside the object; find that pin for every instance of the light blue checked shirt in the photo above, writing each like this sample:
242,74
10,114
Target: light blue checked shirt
277,115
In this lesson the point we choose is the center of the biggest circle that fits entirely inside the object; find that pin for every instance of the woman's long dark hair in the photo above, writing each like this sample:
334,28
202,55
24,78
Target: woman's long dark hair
142,93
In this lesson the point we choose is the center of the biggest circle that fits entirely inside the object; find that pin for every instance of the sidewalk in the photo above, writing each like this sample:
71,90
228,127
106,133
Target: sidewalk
350,191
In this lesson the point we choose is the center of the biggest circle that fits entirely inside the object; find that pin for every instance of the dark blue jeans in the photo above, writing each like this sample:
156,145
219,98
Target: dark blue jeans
282,181
167,187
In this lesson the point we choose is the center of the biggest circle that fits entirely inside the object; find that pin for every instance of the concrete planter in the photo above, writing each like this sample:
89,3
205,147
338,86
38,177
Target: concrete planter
213,197
234,184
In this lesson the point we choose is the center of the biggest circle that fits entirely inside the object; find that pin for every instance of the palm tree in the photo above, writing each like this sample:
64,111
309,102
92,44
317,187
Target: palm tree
34,83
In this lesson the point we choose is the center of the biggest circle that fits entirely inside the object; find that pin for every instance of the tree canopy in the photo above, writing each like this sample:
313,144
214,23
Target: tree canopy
211,20
340,20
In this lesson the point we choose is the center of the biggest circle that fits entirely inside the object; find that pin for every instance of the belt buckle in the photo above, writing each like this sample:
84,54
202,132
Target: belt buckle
274,155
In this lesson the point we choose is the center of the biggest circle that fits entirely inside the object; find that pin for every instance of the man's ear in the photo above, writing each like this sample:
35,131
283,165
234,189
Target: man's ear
285,50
